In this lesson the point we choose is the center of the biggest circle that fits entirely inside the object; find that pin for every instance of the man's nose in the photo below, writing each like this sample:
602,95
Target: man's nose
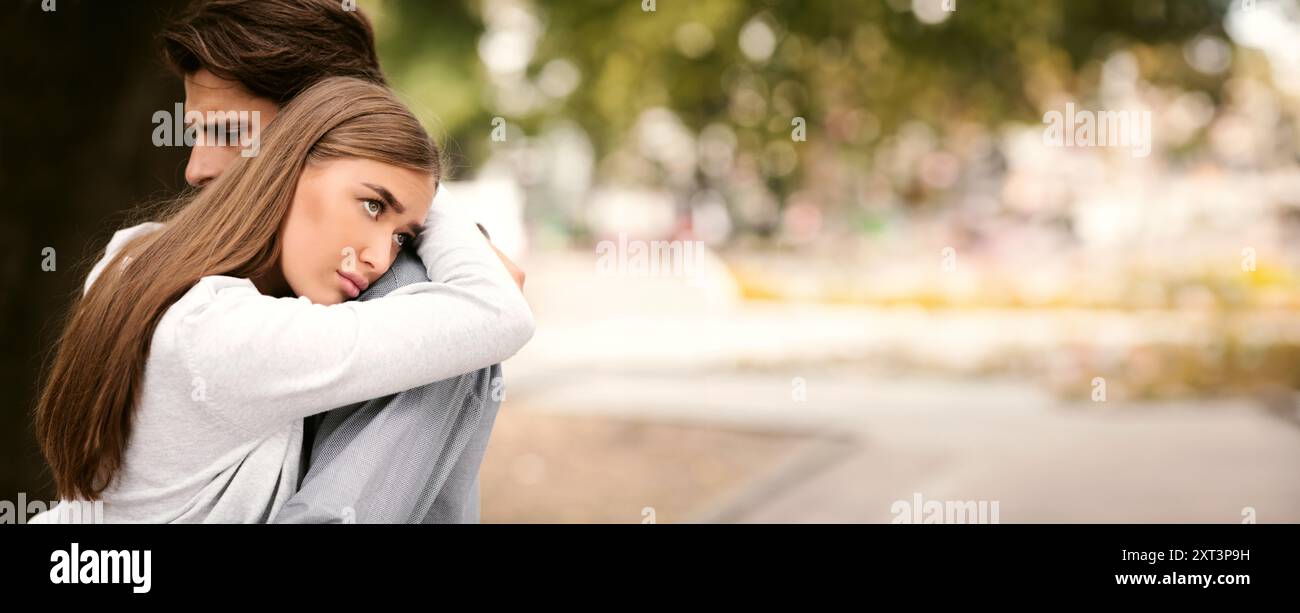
203,167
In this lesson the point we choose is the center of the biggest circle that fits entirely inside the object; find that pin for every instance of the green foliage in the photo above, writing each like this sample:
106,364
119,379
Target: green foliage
975,66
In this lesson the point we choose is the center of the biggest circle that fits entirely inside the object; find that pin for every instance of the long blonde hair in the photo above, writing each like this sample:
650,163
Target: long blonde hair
84,413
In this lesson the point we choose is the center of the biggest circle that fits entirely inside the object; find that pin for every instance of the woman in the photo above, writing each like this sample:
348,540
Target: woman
183,374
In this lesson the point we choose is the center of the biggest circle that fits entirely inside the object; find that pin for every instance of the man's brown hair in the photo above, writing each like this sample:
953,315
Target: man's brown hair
274,48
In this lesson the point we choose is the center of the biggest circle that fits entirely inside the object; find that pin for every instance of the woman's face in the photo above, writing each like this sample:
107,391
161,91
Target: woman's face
348,220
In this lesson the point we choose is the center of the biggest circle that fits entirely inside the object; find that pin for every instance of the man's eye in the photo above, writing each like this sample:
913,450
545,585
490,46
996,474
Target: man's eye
372,207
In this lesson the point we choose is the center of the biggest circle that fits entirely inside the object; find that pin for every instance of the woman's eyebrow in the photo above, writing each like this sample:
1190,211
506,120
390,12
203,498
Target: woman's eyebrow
388,199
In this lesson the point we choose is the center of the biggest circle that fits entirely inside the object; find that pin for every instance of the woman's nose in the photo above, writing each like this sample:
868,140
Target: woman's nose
378,255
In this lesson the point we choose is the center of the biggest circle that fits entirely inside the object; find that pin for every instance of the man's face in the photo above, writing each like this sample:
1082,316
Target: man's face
206,92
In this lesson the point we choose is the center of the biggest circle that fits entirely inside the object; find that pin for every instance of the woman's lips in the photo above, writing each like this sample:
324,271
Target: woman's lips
353,284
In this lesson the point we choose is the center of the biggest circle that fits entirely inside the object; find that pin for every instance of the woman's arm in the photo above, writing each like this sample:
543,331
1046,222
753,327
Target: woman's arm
264,361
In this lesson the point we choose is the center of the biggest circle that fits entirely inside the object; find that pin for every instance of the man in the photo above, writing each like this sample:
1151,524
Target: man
256,55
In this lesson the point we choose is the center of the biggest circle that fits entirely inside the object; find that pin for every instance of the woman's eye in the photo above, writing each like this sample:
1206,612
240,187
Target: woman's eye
372,207
400,239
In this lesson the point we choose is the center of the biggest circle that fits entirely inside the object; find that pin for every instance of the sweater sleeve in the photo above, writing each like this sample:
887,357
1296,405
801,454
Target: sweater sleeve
262,361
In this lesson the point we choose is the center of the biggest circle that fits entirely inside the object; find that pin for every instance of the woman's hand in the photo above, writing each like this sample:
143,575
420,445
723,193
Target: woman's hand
516,273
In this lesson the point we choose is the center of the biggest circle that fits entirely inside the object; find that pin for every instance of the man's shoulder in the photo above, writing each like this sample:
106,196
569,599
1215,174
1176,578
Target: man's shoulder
120,239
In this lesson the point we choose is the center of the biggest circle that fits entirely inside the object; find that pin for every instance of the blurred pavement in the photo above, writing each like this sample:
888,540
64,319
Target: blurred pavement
660,352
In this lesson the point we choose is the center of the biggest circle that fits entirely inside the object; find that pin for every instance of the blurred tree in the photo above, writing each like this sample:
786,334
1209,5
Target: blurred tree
856,71
81,85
